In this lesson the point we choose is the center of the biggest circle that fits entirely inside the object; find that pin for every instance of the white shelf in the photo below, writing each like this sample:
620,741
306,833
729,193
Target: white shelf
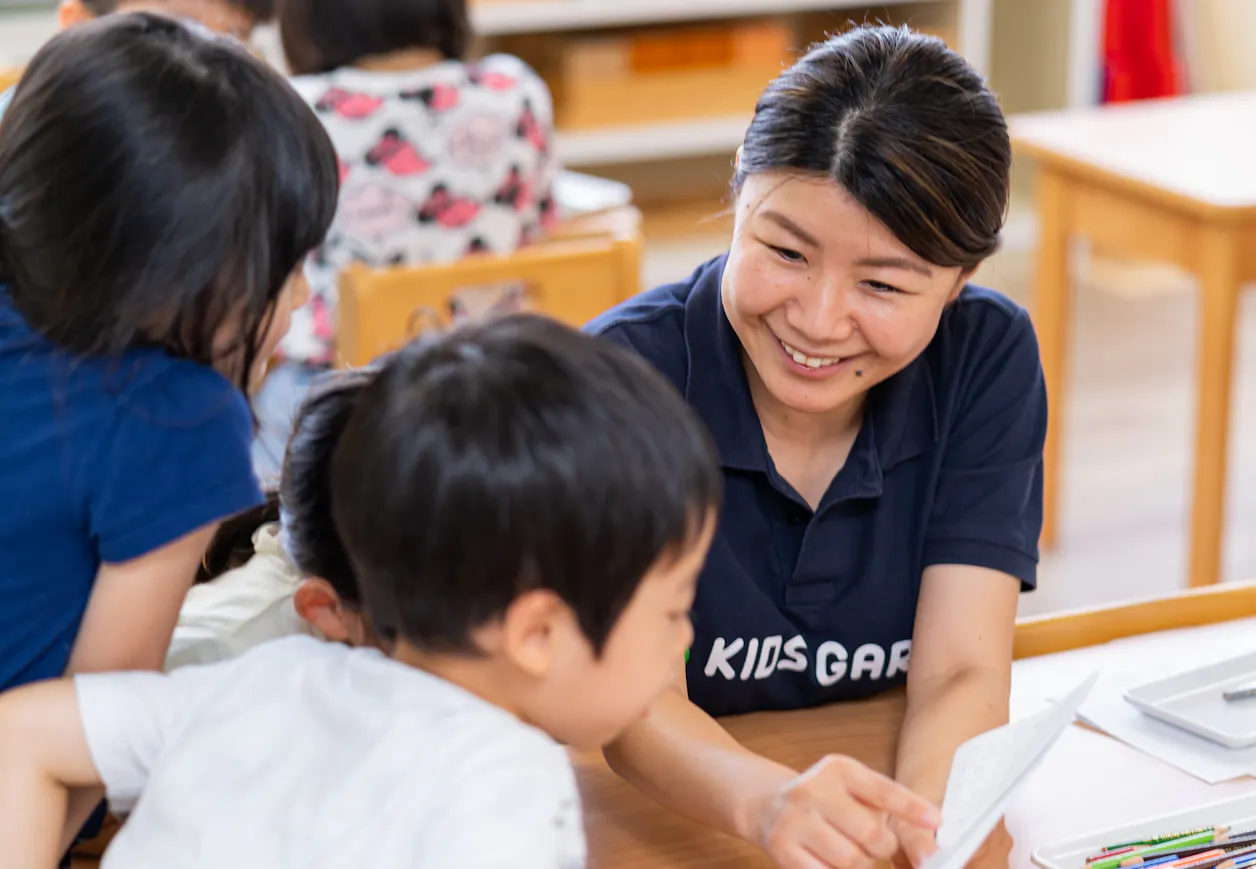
645,142
502,17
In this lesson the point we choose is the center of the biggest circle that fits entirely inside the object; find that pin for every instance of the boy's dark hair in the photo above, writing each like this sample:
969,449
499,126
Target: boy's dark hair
259,10
303,501
157,188
508,456
322,35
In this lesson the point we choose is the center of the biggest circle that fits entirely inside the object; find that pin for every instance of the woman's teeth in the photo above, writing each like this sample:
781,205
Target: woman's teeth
812,362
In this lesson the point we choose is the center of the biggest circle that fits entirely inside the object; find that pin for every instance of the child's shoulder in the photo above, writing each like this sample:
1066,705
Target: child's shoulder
171,391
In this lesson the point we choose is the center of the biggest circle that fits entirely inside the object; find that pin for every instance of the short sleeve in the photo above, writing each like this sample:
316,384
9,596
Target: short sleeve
177,458
987,511
129,719
511,810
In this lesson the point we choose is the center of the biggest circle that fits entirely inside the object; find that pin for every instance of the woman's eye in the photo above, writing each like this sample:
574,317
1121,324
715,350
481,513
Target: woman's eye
790,256
878,287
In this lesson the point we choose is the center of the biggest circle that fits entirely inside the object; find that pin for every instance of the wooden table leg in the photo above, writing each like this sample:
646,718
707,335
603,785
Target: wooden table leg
1050,316
1220,255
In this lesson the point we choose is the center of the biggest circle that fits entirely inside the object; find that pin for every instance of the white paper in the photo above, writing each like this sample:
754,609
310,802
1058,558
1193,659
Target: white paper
986,772
1106,709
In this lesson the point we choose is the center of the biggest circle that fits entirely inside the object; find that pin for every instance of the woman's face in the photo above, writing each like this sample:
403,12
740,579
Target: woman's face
826,301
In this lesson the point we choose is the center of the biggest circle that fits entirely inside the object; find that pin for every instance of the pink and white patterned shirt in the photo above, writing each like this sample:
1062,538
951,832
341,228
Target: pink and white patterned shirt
435,164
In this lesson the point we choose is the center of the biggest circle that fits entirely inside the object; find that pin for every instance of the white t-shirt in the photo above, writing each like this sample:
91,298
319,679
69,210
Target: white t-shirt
311,755
245,607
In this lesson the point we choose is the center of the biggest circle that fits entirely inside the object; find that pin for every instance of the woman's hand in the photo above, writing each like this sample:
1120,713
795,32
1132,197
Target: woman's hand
838,814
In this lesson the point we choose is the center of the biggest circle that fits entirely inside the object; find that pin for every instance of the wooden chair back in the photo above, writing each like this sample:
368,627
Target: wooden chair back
1061,632
570,279
9,77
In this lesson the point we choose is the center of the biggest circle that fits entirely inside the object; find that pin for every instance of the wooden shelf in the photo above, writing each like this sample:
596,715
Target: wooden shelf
641,143
504,17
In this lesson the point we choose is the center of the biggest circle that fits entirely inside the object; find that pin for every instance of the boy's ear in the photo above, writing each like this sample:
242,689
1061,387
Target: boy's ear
528,632
317,602
72,12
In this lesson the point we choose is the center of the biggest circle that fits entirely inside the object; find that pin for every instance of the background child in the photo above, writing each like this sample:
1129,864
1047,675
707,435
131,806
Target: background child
598,489
235,18
260,580
230,17
440,158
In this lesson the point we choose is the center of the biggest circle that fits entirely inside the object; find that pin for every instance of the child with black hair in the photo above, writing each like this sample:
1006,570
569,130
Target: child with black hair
159,192
280,570
598,490
230,17
236,18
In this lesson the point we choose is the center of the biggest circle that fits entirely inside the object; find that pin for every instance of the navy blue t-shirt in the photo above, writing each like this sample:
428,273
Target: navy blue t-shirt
101,461
796,608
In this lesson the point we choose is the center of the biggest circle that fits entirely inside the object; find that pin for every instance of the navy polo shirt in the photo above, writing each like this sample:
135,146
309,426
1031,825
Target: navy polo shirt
794,607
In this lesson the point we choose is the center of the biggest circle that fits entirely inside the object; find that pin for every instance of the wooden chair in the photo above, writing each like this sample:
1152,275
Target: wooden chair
9,77
572,277
1061,632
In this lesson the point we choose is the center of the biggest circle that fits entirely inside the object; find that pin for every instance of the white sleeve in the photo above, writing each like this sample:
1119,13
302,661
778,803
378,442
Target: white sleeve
243,608
130,718
511,812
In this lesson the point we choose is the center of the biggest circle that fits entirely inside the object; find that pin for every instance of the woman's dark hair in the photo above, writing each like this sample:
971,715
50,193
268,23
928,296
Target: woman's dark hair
905,126
157,188
303,500
322,35
511,455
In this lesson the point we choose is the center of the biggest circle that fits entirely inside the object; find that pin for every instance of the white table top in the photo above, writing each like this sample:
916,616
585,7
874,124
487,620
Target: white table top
1198,148
1089,781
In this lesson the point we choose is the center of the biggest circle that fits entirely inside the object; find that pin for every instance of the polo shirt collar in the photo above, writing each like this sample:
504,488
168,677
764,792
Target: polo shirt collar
902,411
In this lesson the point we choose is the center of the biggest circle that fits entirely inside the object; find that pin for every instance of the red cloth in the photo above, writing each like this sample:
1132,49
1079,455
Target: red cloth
1139,60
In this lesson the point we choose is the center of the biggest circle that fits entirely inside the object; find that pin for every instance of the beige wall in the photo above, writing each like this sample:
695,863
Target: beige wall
1217,37
1029,54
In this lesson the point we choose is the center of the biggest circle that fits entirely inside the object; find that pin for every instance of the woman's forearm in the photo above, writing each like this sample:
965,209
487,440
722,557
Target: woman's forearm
941,716
683,759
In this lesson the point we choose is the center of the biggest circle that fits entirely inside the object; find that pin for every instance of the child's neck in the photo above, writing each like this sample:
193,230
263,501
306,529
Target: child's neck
401,61
483,676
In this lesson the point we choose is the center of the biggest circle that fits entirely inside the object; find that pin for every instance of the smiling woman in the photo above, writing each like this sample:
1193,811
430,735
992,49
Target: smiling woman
880,423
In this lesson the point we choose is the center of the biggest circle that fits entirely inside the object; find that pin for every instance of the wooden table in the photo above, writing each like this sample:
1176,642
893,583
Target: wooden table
1168,180
628,831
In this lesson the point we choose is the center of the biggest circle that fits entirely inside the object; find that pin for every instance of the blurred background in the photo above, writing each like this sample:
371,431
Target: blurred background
656,94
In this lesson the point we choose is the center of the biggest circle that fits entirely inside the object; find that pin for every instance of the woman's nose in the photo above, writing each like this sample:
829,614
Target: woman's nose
827,316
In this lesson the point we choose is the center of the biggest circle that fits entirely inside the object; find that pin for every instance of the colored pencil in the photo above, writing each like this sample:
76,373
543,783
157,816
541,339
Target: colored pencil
1140,856
1215,862
1160,840
1160,861
1108,855
1229,845
1206,860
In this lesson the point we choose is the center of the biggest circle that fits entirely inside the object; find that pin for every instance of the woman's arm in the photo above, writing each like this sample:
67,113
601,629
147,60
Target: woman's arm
830,816
134,607
960,674
43,754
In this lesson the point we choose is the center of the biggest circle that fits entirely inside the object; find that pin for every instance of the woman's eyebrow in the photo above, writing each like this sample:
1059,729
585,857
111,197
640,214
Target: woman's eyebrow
895,262
789,226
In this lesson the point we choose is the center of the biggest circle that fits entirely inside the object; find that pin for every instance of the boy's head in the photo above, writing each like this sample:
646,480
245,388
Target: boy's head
526,509
233,17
